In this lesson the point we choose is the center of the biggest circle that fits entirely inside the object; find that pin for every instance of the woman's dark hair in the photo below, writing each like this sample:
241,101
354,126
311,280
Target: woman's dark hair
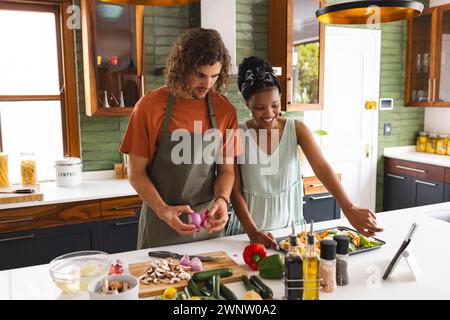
256,75
194,48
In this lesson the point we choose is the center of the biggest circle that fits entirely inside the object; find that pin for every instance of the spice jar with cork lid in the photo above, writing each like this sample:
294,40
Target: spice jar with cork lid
342,254
328,265
28,168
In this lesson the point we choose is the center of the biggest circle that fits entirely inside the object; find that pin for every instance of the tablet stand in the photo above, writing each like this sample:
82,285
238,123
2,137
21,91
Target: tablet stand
412,263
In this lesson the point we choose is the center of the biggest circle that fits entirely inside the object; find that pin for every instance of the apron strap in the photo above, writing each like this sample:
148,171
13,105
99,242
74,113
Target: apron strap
211,113
169,108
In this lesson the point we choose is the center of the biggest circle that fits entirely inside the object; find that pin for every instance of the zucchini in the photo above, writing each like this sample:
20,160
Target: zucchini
203,276
206,292
216,286
188,294
227,293
249,285
181,296
193,288
266,292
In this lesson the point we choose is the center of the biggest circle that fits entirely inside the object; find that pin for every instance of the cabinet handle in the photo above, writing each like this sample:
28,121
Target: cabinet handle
118,224
16,220
426,183
395,176
142,85
434,89
314,185
17,238
321,197
126,207
411,169
429,89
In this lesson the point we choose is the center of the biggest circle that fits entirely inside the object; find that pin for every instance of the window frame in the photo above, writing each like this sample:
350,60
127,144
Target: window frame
66,67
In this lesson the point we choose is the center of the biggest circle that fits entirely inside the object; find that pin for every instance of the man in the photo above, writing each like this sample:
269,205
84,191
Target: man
196,71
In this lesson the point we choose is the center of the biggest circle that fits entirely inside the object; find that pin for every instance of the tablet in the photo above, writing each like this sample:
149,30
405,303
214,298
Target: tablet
402,248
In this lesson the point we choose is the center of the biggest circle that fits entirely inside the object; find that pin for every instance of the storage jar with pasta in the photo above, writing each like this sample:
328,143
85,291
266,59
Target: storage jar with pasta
28,169
4,180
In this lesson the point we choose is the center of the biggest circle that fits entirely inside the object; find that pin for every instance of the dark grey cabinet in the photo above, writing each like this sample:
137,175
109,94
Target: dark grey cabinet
119,235
40,246
320,207
447,193
397,192
427,192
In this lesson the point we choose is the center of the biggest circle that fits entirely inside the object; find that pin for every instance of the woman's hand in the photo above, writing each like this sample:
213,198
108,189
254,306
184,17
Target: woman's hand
170,215
265,238
364,220
217,216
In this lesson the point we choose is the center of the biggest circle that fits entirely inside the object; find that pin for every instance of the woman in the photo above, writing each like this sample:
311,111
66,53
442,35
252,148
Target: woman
271,201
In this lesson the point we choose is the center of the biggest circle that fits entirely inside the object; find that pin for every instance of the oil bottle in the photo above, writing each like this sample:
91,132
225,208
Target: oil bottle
311,261
293,269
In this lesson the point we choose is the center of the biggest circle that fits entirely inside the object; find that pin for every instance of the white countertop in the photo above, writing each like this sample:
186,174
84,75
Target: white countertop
409,153
94,185
365,269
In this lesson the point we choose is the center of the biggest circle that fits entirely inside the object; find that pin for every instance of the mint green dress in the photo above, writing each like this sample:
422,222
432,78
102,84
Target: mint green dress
273,200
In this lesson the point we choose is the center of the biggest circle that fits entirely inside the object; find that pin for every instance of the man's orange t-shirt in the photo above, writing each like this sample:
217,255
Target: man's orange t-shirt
148,115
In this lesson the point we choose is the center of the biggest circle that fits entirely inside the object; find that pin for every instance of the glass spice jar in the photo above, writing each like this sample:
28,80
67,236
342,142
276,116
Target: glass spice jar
431,143
28,169
421,143
327,272
441,144
342,254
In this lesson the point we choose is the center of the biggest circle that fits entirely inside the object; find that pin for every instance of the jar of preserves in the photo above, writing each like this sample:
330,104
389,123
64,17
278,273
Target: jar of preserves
448,146
28,169
441,144
4,179
421,143
431,143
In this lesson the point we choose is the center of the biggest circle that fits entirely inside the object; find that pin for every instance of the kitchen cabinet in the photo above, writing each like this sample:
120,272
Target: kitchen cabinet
39,246
112,57
447,193
297,46
428,59
35,235
410,184
320,207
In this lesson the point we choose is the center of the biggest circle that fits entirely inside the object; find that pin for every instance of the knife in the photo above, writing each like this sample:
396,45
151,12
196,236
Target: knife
168,254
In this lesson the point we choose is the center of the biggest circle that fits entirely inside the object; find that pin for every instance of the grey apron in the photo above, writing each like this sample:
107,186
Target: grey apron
178,184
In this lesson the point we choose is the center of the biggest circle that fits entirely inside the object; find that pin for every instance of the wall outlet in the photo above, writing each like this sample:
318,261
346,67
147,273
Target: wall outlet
387,129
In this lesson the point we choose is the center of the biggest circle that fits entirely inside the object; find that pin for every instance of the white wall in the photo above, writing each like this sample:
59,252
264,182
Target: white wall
437,120
435,3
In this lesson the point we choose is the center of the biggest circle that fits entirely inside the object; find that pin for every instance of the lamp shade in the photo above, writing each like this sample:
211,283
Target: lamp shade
368,12
152,2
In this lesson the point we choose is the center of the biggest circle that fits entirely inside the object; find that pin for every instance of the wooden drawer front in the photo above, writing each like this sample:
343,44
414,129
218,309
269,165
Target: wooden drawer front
312,185
120,207
415,169
447,175
48,215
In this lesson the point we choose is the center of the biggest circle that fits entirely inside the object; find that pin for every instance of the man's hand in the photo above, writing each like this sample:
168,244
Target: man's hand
364,220
217,216
170,215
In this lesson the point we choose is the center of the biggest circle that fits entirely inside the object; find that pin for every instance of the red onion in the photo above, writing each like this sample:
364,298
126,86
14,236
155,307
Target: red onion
185,261
196,264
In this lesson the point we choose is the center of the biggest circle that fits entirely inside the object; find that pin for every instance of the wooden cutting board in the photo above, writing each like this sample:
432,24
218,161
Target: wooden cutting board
150,290
17,197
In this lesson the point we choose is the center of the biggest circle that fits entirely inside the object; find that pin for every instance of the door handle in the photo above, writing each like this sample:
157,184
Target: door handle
321,197
395,176
410,169
126,207
434,89
16,220
367,150
426,183
119,224
429,89
17,238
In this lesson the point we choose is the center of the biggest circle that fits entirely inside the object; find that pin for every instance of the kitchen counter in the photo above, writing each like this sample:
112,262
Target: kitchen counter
409,153
95,185
365,269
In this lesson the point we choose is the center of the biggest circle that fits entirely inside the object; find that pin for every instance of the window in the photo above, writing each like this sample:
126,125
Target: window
38,110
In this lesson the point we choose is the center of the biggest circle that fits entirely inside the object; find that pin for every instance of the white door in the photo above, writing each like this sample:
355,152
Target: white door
352,77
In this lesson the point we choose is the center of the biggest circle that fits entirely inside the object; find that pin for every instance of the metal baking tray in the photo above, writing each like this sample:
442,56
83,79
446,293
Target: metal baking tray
340,228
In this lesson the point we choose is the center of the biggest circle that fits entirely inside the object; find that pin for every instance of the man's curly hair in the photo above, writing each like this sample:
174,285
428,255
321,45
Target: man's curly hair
194,48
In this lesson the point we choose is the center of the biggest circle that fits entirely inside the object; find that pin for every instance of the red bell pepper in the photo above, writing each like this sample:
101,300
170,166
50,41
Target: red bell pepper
253,253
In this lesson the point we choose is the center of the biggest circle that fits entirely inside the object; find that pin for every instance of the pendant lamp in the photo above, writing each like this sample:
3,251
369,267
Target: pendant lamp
369,12
152,2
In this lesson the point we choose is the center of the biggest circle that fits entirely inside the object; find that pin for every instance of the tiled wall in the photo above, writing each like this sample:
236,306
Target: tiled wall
101,136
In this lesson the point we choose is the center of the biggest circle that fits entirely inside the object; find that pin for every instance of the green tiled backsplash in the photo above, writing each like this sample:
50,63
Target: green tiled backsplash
101,136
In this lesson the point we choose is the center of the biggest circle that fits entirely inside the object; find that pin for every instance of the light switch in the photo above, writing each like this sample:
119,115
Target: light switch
387,129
